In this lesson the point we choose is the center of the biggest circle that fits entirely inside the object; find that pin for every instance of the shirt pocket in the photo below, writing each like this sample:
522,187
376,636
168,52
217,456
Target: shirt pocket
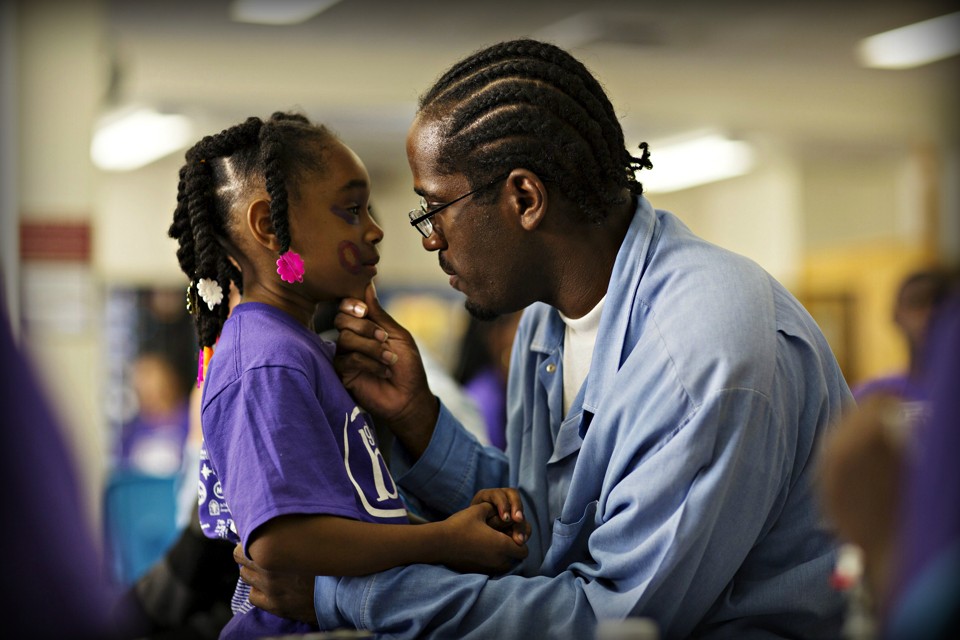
569,543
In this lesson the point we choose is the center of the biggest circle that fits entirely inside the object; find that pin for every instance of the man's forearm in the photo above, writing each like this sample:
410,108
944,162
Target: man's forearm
414,426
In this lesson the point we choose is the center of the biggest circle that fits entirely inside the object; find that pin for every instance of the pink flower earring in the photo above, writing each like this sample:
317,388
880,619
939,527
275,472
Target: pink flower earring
290,267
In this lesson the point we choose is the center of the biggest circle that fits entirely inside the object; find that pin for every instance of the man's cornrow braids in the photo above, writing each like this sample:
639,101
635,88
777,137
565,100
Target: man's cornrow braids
540,106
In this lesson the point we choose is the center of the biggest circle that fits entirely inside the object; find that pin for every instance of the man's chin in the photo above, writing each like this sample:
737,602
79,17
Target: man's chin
480,312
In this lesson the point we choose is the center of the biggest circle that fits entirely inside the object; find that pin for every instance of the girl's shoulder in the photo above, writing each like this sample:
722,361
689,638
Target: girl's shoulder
261,336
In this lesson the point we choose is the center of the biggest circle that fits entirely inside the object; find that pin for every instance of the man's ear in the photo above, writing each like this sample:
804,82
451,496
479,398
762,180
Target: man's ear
260,225
528,197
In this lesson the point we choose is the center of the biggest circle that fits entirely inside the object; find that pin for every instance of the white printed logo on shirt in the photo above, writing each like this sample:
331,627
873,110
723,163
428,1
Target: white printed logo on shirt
380,472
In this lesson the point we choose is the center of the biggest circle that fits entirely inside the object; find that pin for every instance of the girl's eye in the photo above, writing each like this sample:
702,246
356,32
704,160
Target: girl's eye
357,209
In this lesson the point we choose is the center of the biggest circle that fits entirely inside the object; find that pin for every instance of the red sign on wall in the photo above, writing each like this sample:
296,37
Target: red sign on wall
59,241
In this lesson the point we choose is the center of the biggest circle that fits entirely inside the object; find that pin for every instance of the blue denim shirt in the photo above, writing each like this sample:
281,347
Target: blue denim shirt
679,486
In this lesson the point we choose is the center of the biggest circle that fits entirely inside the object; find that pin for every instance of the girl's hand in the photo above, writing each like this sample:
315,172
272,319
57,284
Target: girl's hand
475,545
509,517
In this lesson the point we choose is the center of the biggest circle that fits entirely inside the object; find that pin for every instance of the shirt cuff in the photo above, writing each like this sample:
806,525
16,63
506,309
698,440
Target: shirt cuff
325,603
426,475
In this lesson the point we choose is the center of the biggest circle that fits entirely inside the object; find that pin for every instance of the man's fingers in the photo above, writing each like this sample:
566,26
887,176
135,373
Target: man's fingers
369,307
373,305
362,327
240,558
351,365
502,503
350,342
521,532
515,506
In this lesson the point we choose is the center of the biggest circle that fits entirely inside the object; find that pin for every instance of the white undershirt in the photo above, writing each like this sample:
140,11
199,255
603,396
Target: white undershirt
578,341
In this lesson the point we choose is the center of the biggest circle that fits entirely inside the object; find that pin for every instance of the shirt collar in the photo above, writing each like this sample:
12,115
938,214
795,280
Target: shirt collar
620,300
631,258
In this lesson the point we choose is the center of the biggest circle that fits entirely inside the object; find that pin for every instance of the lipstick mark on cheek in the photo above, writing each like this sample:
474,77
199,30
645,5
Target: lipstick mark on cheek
345,215
349,255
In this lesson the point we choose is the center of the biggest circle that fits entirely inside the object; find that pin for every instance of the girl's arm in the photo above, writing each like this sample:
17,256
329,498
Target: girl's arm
332,545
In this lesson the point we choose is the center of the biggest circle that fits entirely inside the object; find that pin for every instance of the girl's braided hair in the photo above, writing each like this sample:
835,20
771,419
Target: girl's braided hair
530,104
219,171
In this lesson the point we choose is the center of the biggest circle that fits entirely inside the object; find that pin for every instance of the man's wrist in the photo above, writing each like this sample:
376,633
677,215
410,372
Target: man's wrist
325,603
414,428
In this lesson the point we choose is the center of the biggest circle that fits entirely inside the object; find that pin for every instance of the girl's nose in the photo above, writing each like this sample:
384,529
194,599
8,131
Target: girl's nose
374,234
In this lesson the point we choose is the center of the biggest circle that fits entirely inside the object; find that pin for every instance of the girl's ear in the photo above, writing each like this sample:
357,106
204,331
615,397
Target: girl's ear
260,225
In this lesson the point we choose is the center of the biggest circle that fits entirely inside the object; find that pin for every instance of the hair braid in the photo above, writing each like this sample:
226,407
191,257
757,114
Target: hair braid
180,229
573,123
271,145
531,104
274,154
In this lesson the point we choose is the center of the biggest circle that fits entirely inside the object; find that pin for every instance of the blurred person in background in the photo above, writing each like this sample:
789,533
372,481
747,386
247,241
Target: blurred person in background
482,367
152,442
890,482
55,587
917,298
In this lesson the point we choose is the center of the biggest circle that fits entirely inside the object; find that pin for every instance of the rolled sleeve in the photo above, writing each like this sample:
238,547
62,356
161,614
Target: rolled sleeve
452,469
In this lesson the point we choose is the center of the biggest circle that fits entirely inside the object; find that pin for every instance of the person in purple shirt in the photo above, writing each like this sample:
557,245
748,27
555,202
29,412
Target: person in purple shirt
153,440
918,297
891,484
924,600
484,361
56,583
291,469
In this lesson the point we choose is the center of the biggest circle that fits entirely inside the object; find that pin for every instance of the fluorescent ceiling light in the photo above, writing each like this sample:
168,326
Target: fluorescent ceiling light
136,137
695,159
277,12
913,45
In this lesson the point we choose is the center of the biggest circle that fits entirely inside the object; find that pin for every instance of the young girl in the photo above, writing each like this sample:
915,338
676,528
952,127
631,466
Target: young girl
291,468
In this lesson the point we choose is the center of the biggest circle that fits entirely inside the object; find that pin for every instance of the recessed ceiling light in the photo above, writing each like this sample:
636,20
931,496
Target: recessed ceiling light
136,136
277,12
694,159
913,45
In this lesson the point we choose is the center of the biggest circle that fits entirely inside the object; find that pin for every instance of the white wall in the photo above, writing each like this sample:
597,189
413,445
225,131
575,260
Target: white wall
9,218
59,91
757,215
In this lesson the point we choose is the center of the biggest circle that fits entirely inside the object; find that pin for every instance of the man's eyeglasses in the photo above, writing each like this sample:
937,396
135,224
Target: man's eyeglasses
421,217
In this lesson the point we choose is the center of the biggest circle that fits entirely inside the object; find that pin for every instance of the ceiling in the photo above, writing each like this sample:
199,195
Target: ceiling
785,70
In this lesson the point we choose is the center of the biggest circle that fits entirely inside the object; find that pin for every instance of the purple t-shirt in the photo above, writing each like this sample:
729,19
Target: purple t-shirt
283,436
488,390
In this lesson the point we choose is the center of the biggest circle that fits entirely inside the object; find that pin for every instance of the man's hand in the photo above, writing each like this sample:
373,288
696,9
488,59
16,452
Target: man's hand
288,595
509,512
379,363
475,544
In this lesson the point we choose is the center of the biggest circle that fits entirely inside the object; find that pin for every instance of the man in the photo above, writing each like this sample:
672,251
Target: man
666,397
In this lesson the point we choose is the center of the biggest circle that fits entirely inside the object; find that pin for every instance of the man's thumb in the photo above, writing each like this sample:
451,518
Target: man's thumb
374,311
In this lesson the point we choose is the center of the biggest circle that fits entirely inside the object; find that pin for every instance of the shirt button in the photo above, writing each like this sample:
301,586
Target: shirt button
551,368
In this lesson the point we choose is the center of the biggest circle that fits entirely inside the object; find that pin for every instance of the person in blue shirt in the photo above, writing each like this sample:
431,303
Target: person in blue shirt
666,397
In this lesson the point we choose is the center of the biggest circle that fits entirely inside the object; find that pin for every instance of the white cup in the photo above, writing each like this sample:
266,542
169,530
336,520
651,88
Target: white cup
628,629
